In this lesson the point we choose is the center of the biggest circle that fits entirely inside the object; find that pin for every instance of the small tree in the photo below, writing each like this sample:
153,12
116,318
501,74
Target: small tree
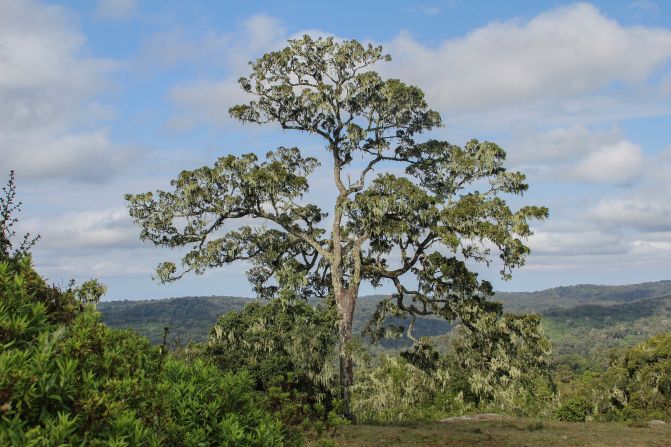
9,207
415,230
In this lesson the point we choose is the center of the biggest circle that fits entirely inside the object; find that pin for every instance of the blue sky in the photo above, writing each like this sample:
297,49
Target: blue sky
102,98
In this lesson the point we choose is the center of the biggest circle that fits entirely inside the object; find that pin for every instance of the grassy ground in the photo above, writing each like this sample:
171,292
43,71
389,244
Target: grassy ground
514,432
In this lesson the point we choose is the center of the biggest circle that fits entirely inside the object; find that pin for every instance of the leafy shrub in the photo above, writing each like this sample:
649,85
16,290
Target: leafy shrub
646,371
395,390
636,385
502,364
287,347
575,409
65,378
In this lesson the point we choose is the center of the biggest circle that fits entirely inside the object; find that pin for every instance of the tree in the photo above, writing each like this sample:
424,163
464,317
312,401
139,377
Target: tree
9,207
415,231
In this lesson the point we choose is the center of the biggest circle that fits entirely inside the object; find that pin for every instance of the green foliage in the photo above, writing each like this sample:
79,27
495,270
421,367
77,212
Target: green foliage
446,208
574,409
503,363
189,318
581,335
636,386
67,379
499,365
592,331
395,390
91,291
288,348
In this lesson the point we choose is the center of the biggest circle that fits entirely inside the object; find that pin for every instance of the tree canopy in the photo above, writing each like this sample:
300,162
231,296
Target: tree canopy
416,228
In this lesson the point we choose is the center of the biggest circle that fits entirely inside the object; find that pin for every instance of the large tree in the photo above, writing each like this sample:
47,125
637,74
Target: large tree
417,228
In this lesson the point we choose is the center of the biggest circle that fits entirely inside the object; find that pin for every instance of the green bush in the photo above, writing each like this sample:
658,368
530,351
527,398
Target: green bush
645,370
501,364
395,390
636,385
574,409
67,379
287,347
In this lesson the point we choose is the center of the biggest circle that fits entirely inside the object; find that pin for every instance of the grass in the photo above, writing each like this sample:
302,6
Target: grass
513,432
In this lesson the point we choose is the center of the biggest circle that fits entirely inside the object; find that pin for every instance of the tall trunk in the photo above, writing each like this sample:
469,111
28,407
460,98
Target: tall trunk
346,301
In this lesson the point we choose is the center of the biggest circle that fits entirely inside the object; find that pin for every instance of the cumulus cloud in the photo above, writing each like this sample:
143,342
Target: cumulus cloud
205,101
167,49
85,231
642,214
645,6
578,154
570,63
565,239
619,229
43,71
618,163
209,100
568,51
47,89
85,157
559,144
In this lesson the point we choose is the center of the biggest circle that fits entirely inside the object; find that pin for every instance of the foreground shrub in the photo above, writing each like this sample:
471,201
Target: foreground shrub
287,348
500,363
65,378
396,390
503,365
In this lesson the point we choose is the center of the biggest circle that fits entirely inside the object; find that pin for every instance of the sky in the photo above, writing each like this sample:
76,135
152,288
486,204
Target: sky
102,98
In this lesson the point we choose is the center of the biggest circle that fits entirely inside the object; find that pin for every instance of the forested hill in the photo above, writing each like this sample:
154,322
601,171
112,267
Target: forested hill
571,296
188,318
593,329
616,314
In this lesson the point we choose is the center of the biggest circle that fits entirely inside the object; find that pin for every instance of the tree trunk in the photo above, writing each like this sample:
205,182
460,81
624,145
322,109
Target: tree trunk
346,301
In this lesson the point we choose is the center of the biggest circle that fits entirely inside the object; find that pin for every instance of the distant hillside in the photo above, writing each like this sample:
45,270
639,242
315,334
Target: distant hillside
571,296
593,330
583,319
188,318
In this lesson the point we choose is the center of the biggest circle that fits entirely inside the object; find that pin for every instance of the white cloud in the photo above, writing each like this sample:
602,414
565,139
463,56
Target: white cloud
557,144
577,154
87,157
43,72
643,213
562,239
552,69
226,50
618,163
205,101
166,49
209,100
82,232
565,52
620,230
47,89
116,9
645,6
